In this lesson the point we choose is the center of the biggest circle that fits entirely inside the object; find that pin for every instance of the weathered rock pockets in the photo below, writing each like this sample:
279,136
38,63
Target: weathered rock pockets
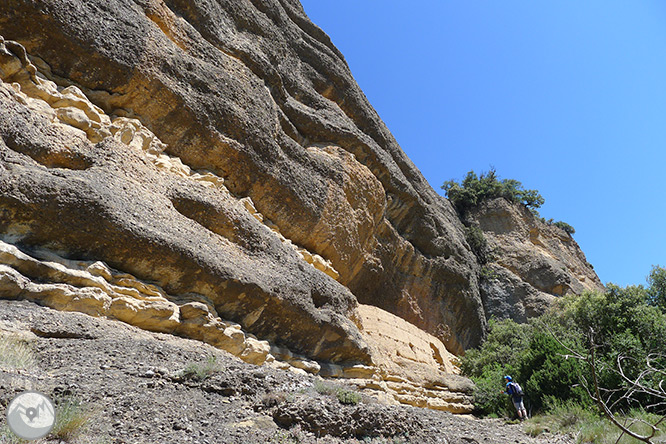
257,95
80,183
243,89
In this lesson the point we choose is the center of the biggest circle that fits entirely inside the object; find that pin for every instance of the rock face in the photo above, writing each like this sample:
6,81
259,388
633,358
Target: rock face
94,289
211,169
253,93
534,262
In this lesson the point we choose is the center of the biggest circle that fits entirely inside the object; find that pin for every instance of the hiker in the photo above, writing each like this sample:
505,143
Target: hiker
516,392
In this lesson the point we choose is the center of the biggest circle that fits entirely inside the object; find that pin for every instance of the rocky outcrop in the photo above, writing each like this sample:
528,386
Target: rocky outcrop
102,189
95,289
534,262
99,217
408,365
66,145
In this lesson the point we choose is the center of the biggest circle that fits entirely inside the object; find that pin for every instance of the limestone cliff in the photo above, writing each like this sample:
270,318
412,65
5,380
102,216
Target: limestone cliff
212,170
256,95
534,262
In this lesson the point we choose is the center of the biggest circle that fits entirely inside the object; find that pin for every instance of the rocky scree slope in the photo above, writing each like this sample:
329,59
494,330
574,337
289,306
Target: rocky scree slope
134,386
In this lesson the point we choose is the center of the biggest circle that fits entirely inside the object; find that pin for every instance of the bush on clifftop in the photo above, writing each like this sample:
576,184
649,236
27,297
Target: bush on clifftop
565,226
475,189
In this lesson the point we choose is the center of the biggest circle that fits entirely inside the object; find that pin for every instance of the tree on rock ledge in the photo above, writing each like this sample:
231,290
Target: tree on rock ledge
475,189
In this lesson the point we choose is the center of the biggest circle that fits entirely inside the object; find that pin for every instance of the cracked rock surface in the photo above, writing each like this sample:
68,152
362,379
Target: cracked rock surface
210,169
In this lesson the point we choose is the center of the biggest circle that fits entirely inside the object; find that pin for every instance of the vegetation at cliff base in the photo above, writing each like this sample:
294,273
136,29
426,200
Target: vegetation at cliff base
618,334
15,352
72,419
201,372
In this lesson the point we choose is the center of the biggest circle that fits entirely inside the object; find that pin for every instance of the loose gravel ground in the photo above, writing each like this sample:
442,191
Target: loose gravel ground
140,387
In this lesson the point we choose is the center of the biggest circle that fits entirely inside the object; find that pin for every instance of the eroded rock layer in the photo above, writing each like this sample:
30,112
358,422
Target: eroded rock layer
211,169
80,183
407,365
76,181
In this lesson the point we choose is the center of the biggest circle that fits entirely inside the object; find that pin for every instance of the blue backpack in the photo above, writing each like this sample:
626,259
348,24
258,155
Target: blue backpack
515,389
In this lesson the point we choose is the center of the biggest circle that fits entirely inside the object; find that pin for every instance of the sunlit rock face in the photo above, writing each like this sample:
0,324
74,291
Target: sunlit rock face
212,170
82,184
534,262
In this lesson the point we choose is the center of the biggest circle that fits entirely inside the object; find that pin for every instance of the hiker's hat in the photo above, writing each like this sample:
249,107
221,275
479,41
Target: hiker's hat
507,377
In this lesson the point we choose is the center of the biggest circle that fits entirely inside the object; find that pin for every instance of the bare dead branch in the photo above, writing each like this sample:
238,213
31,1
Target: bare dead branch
608,399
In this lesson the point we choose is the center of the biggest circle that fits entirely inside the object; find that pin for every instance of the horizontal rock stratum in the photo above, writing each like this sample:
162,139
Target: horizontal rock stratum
211,169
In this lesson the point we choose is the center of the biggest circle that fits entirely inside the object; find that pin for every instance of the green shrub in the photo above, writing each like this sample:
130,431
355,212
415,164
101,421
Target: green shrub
589,427
478,244
657,289
546,371
535,428
568,418
475,189
565,226
324,388
348,397
201,372
488,273
343,395
569,415
529,354
72,419
625,322
504,345
489,399
15,352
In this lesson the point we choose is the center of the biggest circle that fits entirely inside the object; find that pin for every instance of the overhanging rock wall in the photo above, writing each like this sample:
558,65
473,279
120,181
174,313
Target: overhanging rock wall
251,95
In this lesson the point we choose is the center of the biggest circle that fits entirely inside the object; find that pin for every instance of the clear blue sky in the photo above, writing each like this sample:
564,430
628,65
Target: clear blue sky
567,96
